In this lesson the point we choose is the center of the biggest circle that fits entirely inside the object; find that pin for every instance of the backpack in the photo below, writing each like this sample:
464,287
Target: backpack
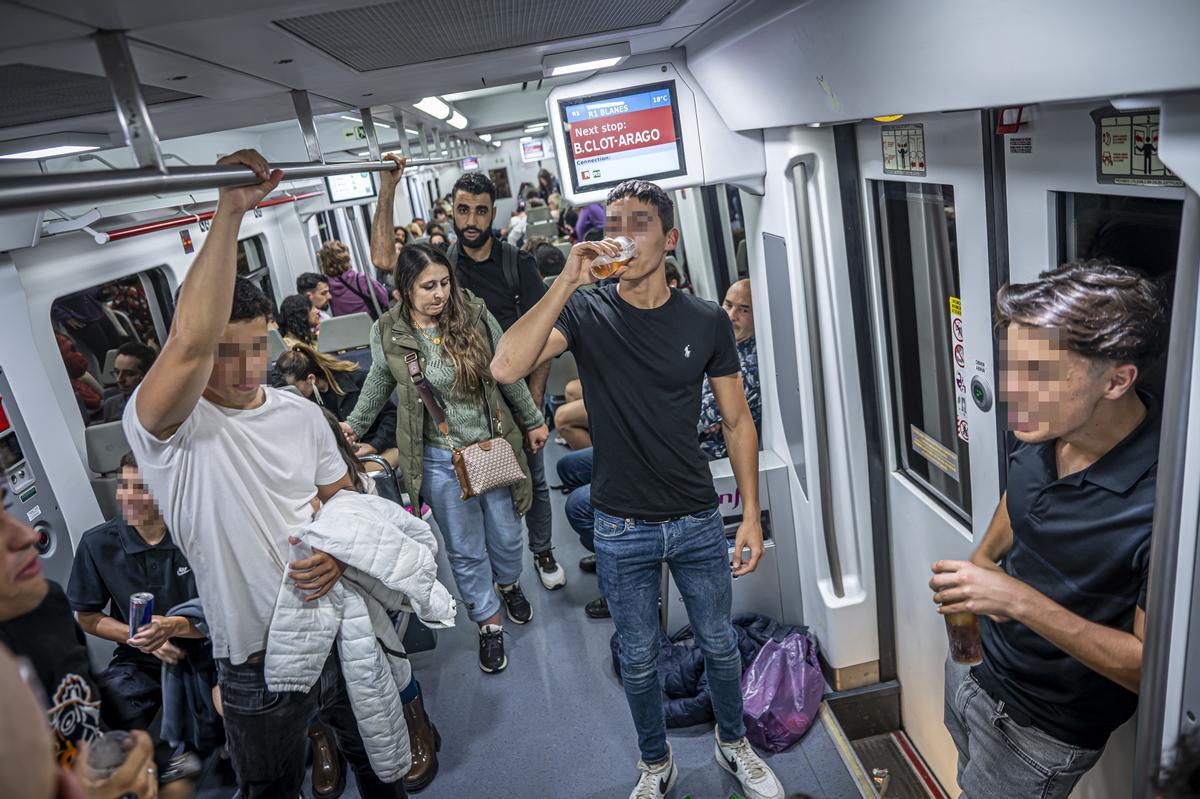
508,268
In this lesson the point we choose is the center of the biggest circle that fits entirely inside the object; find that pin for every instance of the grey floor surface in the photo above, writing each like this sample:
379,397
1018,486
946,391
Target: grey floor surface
555,724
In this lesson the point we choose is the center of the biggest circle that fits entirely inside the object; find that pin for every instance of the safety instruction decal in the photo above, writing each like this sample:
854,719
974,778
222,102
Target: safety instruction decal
959,355
903,150
931,450
1127,149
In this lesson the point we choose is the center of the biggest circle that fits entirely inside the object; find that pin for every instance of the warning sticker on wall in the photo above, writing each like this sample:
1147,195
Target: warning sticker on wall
958,348
931,450
903,149
1127,149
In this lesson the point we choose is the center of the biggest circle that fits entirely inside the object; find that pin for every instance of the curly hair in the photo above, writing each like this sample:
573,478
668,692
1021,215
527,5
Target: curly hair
1103,310
249,302
334,258
460,336
293,318
475,183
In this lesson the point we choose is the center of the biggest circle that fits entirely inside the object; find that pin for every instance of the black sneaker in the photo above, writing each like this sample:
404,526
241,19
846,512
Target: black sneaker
549,572
491,649
515,604
597,609
588,564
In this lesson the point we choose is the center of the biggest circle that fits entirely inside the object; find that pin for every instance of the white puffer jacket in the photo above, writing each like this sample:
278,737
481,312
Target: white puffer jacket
391,565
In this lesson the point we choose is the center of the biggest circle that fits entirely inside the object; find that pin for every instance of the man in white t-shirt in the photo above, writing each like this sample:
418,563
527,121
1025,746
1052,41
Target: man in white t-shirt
235,467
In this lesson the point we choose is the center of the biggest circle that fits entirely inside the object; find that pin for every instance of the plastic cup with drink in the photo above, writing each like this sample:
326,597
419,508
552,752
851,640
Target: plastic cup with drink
965,647
613,265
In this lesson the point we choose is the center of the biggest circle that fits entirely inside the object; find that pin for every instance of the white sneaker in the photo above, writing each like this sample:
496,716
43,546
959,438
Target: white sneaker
550,572
755,776
656,783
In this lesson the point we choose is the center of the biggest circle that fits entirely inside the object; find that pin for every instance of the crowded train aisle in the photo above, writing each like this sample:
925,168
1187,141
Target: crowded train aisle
503,734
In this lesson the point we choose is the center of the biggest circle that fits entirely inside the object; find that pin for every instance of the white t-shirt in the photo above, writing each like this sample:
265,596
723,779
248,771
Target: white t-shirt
232,485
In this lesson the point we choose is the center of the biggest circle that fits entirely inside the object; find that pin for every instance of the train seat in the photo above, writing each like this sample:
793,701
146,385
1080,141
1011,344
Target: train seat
563,370
348,332
564,247
107,376
275,345
106,445
539,214
547,228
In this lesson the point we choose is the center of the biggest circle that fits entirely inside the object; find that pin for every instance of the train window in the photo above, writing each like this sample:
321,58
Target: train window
90,326
918,250
252,265
1141,232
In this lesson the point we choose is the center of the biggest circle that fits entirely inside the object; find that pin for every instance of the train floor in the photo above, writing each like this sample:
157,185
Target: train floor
554,724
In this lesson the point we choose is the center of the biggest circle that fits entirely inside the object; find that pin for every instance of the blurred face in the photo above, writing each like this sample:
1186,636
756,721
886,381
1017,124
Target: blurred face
129,373
240,364
319,296
22,586
1048,390
137,505
473,216
640,221
314,318
431,291
437,240
740,310
400,237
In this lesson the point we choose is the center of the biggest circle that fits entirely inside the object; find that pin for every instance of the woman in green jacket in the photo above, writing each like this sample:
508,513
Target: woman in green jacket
453,336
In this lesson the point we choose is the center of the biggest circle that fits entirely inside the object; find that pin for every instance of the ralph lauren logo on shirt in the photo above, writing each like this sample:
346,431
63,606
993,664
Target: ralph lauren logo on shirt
687,350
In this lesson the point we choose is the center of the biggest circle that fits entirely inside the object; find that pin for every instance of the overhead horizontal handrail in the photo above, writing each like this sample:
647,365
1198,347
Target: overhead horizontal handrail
69,188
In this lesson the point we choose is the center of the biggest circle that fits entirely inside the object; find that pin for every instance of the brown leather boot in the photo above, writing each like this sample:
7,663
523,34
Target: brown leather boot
425,743
327,776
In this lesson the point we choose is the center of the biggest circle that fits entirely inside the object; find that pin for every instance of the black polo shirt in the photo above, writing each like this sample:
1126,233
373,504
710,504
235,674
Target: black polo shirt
485,279
1083,541
113,562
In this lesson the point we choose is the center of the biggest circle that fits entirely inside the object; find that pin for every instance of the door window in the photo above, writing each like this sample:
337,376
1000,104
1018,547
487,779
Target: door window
918,252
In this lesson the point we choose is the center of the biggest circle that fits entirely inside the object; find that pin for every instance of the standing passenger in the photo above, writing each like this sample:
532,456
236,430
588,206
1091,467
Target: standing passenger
448,338
206,434
641,348
508,282
1063,615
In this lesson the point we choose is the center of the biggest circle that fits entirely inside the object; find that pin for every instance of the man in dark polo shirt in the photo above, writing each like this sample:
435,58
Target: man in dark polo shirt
508,282
132,553
1059,580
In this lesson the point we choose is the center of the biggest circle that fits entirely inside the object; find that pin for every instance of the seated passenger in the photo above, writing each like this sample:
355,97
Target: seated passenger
439,241
349,291
520,224
1058,582
740,309
36,624
299,321
88,392
453,334
131,554
441,218
129,297
336,385
547,185
589,217
316,288
550,259
133,360
571,419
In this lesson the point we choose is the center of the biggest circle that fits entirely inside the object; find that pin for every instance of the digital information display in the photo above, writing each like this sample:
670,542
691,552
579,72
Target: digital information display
343,188
470,164
533,150
632,133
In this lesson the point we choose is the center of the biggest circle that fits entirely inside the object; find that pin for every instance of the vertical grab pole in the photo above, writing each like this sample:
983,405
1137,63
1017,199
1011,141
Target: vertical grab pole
129,101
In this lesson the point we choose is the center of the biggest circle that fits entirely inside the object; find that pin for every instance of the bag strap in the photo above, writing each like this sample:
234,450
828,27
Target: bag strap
508,266
366,300
434,406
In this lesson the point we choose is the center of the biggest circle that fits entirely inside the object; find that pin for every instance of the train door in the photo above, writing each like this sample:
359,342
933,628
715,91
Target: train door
1061,206
924,194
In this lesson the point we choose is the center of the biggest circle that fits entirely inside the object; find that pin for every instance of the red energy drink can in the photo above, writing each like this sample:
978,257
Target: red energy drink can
141,608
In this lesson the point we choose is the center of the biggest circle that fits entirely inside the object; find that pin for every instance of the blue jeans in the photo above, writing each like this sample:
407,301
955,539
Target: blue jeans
482,535
539,520
997,756
629,558
575,472
266,731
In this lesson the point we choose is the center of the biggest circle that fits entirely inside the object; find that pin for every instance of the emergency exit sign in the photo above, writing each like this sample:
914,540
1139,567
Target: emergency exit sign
355,132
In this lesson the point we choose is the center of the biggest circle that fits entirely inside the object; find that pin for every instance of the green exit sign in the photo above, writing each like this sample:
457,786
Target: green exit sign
355,132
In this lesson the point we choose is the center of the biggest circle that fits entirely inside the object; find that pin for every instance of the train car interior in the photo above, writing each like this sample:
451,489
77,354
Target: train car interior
872,173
